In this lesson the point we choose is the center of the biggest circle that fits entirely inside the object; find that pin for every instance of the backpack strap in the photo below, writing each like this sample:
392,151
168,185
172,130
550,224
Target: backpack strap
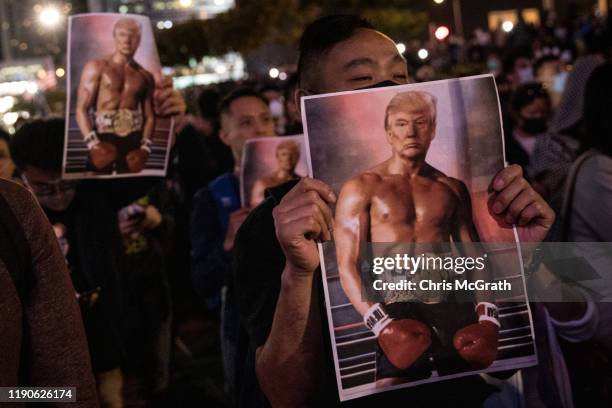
568,194
14,250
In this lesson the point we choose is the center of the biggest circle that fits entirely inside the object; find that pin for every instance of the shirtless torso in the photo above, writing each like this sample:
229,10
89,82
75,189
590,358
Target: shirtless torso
121,86
402,208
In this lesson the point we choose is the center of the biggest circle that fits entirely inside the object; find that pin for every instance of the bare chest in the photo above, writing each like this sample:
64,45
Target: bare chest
125,81
410,203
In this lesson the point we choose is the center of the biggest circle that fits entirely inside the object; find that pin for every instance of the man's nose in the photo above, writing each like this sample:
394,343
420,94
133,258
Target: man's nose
410,131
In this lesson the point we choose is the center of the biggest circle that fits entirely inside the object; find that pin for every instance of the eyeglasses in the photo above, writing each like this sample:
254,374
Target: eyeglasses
49,188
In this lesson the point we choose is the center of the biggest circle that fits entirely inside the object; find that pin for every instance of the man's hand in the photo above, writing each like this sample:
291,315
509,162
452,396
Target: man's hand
303,217
136,160
102,155
129,227
167,101
514,201
152,217
235,221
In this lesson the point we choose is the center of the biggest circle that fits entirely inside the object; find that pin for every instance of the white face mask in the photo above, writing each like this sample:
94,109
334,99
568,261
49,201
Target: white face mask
559,81
525,75
276,108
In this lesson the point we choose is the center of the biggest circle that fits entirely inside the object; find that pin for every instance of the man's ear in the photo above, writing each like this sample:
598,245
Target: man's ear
297,95
224,137
388,134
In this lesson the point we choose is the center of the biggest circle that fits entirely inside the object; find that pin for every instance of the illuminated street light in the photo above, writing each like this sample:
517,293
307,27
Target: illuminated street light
168,24
31,88
423,53
438,1
282,76
160,25
49,16
185,3
6,103
401,48
274,73
507,26
441,33
60,72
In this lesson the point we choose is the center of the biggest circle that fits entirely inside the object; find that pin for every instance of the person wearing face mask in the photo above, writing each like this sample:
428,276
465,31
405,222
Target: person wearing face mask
85,217
517,70
529,111
276,261
217,215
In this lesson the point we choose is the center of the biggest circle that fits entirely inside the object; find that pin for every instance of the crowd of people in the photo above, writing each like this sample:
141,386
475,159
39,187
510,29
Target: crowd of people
155,263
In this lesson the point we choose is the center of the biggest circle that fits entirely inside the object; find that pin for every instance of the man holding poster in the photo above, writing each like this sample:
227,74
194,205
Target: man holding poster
278,280
120,92
405,199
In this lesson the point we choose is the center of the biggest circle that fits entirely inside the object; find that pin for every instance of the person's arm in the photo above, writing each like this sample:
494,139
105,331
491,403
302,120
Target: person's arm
350,229
86,96
289,364
57,351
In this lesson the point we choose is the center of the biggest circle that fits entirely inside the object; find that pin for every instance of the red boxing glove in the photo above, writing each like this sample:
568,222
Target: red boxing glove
403,340
136,160
102,154
477,343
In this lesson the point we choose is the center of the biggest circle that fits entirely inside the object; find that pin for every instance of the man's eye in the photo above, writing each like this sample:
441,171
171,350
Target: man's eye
361,79
401,77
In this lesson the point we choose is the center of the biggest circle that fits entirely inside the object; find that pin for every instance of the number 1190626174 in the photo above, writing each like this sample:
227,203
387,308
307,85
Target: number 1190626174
37,394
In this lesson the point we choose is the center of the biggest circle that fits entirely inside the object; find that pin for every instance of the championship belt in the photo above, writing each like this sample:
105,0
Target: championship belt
121,122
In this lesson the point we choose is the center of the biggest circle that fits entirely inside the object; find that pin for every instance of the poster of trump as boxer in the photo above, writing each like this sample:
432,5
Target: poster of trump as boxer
422,283
111,126
269,162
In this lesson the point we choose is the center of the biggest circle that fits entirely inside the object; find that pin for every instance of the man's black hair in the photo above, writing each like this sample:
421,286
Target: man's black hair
543,60
270,87
208,100
598,110
320,36
39,143
226,102
290,86
511,57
